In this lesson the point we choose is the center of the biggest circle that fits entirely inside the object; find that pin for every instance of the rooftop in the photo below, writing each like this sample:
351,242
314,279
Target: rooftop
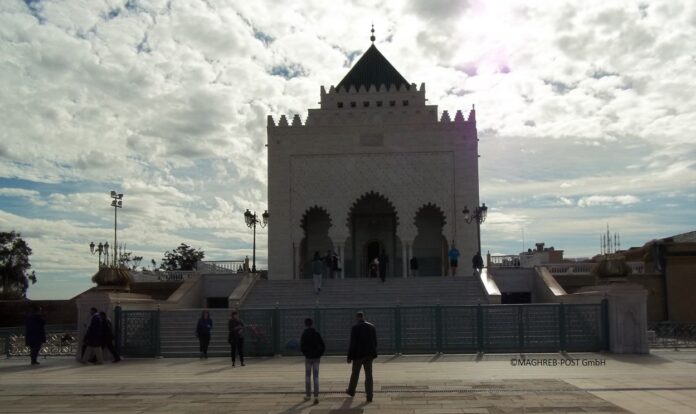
372,69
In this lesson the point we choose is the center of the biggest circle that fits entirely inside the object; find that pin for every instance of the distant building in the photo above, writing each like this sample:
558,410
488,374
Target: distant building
672,263
372,172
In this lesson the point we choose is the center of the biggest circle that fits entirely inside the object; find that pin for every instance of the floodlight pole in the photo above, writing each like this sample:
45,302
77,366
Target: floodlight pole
116,203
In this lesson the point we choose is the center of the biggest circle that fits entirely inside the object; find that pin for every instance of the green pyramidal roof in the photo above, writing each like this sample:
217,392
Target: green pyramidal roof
372,69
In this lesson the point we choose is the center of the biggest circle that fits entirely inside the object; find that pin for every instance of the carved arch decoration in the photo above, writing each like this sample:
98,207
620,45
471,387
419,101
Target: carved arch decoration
366,196
429,207
312,210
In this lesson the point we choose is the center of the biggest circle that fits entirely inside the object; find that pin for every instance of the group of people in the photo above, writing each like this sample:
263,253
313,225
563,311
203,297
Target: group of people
327,266
235,336
98,338
361,352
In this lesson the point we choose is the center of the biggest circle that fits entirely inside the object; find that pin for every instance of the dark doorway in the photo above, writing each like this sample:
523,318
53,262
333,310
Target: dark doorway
373,222
373,250
507,298
217,303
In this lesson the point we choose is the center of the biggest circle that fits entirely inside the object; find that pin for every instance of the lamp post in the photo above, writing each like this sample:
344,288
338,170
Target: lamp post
252,219
479,215
116,203
101,248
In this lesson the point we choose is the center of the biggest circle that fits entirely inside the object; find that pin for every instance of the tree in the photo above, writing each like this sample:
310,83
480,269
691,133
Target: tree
130,261
183,257
15,266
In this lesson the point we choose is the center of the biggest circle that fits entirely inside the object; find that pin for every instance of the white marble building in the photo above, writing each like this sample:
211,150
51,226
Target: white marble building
373,170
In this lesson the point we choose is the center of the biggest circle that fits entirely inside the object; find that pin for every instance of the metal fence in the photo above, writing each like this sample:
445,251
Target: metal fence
61,340
425,329
672,335
137,332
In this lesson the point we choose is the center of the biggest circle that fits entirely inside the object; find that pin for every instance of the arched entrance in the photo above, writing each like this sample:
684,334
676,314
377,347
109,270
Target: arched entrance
430,246
315,223
372,222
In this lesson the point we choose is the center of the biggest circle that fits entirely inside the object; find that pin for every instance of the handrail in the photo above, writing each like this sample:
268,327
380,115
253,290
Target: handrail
222,266
163,276
566,268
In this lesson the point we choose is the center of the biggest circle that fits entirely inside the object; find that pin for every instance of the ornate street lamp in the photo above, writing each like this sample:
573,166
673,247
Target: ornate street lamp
101,248
116,203
252,219
479,216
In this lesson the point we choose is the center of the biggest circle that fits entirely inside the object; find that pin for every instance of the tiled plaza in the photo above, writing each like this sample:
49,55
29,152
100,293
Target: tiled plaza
664,382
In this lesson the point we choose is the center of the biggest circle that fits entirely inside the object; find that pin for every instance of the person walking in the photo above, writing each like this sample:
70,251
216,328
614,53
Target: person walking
328,265
414,266
317,272
374,268
362,351
383,264
236,337
477,263
453,258
312,347
203,328
93,339
108,336
35,333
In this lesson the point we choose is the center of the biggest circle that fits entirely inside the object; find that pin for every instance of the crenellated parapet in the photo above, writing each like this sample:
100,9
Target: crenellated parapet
371,106
376,96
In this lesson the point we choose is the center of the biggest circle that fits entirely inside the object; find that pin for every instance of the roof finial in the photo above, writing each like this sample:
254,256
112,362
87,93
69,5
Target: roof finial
372,38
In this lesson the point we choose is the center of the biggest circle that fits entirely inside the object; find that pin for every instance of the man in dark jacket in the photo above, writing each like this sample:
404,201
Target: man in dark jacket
236,337
108,336
35,333
477,263
363,349
312,346
93,338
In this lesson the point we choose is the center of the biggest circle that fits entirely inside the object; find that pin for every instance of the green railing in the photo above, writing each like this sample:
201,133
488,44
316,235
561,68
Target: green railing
61,340
137,332
423,329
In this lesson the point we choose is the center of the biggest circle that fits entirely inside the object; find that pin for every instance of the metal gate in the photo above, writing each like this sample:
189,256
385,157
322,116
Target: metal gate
137,332
413,330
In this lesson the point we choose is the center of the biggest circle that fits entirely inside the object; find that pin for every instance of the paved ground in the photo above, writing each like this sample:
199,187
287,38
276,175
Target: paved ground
663,382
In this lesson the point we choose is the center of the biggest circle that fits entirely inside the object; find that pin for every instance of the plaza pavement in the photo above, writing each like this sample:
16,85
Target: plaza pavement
663,382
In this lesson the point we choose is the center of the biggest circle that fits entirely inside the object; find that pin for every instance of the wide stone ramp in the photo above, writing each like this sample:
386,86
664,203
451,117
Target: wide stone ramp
338,293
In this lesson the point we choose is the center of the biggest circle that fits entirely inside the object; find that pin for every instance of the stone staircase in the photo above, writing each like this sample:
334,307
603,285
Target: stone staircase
178,333
177,327
337,293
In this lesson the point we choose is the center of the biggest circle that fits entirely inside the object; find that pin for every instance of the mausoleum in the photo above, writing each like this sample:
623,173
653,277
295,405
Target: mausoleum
375,170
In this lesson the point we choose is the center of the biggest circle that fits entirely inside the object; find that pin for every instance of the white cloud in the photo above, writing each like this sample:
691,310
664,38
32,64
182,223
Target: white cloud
598,200
18,192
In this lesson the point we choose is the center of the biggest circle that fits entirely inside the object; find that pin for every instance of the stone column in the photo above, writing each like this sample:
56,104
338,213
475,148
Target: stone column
298,260
339,251
405,256
410,255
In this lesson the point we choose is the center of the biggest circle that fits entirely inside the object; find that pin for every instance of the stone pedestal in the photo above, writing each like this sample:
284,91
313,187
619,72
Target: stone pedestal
627,316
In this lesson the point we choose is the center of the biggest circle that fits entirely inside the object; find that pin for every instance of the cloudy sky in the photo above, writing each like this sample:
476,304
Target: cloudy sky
586,115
